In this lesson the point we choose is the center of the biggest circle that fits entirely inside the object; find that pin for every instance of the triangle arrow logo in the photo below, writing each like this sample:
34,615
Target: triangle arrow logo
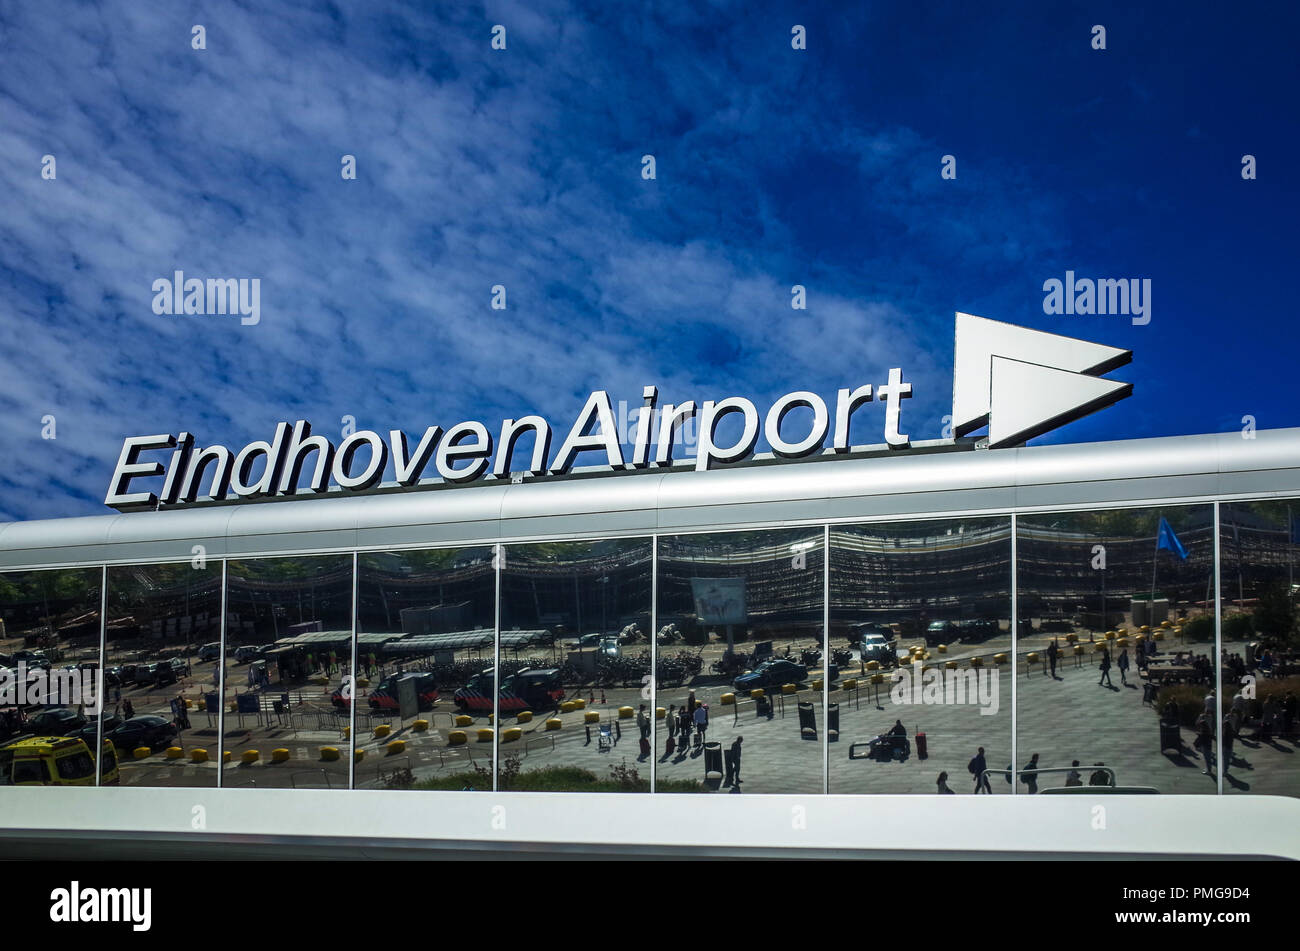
1028,400
1022,383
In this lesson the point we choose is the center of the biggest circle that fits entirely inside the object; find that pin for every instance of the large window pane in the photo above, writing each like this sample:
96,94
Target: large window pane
1132,589
924,607
741,618
425,626
288,657
163,654
49,662
1259,548
575,659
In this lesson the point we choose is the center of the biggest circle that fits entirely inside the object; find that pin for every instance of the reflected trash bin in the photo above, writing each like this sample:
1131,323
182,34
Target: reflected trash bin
833,722
807,719
713,760
1170,739
921,751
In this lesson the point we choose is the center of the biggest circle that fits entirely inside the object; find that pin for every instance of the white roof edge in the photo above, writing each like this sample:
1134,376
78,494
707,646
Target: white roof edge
1203,465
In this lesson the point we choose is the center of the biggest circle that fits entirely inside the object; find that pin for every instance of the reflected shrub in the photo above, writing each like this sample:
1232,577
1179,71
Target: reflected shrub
622,778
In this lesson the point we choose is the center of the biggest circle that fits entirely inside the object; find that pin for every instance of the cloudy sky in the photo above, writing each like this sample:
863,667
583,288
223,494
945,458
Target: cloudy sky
523,167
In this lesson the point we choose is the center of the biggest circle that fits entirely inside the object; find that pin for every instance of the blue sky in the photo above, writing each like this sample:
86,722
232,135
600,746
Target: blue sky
522,167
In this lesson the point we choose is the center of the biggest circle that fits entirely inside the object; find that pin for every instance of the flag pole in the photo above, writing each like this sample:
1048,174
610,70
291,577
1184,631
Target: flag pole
1155,555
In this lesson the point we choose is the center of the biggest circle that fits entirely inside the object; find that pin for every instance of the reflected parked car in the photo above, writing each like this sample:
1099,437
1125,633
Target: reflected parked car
87,732
149,731
974,632
155,675
941,632
772,673
210,651
244,655
876,647
55,722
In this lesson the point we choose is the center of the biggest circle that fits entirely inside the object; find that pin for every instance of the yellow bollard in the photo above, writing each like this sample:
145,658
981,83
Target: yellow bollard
660,713
852,683
397,746
949,665
999,659
626,713
568,706
382,730
591,716
789,688
175,752
554,723
249,756
225,756
329,753
358,755
464,720
280,756
873,665
457,738
757,693
524,716
420,726
141,752
943,648
977,661
510,734
198,756
579,703
485,735
727,699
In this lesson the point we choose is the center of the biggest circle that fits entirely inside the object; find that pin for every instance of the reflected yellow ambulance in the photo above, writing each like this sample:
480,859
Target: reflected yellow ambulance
54,761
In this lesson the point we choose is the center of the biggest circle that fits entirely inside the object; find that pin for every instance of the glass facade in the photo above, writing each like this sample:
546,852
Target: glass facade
861,658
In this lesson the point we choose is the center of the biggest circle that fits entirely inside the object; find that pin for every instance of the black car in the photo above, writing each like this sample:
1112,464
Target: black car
149,731
973,632
56,722
941,632
772,673
155,675
87,733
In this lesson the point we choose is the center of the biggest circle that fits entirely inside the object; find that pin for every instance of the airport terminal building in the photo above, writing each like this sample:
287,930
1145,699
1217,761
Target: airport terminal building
800,653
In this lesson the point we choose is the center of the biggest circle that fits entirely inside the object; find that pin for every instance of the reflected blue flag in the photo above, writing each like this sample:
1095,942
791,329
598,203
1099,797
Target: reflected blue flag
1166,538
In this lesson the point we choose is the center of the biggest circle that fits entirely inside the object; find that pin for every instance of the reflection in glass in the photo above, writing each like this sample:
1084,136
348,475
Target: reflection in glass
425,626
162,652
1259,547
49,665
575,659
921,618
288,658
740,619
1118,621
